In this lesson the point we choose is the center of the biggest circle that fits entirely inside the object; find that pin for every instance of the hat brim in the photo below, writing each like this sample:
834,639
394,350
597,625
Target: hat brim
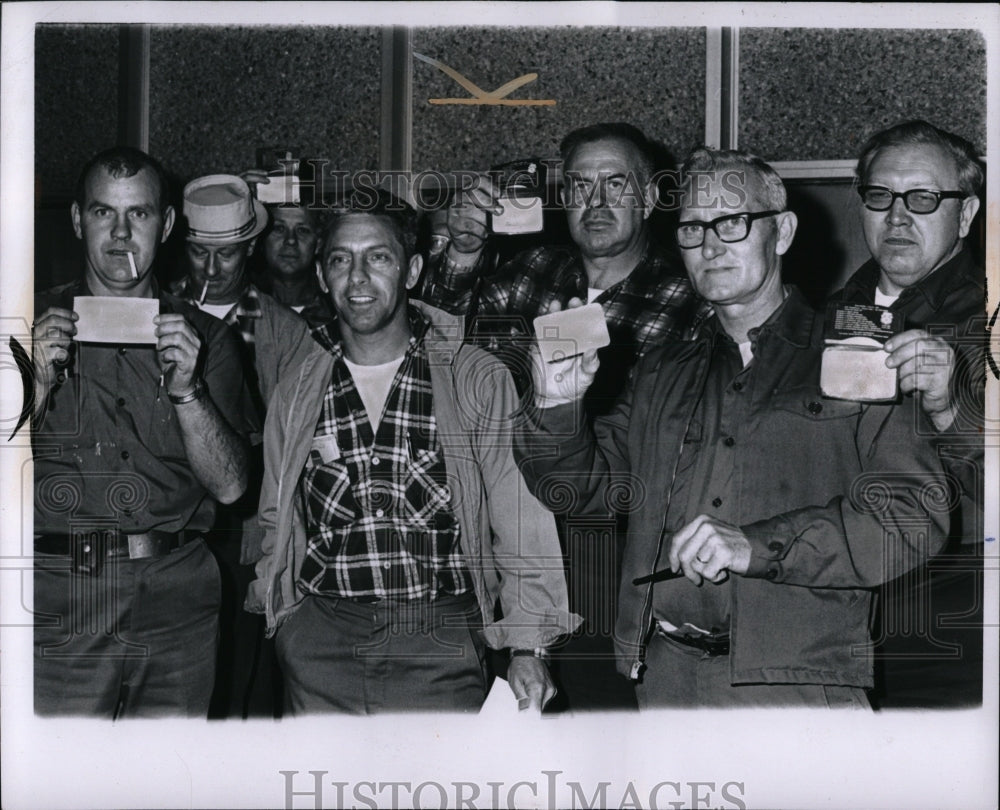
260,222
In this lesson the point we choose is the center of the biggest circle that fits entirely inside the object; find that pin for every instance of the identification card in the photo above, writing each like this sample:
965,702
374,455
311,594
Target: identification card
571,332
853,365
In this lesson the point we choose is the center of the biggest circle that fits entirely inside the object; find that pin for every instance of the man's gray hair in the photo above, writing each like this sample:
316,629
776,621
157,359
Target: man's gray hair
913,133
737,170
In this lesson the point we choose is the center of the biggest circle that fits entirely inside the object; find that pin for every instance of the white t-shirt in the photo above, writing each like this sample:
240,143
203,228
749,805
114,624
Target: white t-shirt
884,300
745,352
592,293
220,311
373,384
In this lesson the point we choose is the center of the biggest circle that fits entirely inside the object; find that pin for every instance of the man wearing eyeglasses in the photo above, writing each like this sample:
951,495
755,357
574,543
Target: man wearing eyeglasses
919,190
769,513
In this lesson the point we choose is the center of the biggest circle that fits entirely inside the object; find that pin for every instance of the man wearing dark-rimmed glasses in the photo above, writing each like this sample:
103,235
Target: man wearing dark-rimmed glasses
918,187
750,562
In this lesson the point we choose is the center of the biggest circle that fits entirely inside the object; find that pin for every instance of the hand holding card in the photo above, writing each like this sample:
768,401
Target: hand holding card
111,319
564,360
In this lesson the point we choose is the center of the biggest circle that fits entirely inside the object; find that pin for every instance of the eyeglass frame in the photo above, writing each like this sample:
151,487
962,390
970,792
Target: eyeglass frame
751,217
938,196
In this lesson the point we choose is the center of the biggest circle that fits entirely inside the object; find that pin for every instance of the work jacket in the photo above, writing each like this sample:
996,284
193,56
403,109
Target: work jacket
834,496
508,540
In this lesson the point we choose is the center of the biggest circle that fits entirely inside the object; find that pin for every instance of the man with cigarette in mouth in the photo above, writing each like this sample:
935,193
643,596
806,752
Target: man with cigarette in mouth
771,512
395,516
918,197
223,222
134,445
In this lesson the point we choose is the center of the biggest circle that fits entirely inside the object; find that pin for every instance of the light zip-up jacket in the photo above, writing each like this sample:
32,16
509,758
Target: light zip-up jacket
508,540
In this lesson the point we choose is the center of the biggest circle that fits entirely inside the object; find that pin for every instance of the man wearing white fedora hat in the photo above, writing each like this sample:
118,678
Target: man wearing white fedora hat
137,435
224,221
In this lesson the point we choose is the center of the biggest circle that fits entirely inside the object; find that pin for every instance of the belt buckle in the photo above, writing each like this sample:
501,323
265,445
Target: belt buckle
89,550
717,645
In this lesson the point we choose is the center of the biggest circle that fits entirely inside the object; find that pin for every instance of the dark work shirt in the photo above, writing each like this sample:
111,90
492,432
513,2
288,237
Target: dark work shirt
108,449
707,481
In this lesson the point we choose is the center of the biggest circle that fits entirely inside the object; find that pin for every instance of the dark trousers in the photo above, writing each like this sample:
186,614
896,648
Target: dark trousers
136,640
337,655
682,677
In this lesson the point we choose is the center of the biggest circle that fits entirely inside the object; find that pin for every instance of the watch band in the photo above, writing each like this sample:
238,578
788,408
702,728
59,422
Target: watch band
534,652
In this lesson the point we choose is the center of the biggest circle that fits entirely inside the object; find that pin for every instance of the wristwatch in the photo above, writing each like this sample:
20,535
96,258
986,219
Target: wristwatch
535,652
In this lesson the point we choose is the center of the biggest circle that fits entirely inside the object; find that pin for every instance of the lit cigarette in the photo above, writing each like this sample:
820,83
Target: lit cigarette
131,264
204,292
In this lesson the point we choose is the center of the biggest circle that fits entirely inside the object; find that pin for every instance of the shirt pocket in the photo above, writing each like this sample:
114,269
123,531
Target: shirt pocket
329,495
808,403
427,496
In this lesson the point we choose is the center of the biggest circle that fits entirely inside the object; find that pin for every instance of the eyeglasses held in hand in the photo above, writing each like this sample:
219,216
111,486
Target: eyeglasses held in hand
916,200
730,228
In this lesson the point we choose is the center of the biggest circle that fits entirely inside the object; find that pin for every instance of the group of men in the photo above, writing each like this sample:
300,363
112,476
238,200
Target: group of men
388,469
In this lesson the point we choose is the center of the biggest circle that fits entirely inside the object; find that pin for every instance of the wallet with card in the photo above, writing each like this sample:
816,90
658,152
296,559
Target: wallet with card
853,365
521,184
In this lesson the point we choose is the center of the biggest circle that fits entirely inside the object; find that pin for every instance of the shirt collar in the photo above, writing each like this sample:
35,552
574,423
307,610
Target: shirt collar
934,288
792,321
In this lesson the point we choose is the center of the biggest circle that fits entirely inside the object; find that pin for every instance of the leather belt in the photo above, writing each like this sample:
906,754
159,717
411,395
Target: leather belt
712,644
90,547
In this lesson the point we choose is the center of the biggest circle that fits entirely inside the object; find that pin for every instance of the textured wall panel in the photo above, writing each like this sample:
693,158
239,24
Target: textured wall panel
809,94
653,78
218,93
76,101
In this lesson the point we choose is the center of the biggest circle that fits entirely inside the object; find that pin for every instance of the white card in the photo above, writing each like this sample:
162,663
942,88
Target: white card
115,319
856,373
571,332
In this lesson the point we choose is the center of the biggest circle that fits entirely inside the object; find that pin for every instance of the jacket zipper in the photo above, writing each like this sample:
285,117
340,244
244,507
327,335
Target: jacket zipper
637,664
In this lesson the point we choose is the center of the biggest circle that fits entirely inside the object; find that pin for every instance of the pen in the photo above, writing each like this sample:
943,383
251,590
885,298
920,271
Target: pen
657,576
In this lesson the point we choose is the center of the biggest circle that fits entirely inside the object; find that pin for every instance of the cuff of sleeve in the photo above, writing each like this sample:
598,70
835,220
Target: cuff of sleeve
543,631
770,541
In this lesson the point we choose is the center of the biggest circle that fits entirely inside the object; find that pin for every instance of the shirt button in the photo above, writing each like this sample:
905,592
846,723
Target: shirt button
376,461
61,377
125,454
772,573
379,513
737,386
122,350
121,402
729,441
775,547
716,502
86,548
815,407
385,565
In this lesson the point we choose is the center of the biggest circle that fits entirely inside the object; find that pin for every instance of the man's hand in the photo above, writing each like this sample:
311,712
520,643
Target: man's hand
51,341
925,364
530,682
563,381
177,348
254,177
709,548
467,219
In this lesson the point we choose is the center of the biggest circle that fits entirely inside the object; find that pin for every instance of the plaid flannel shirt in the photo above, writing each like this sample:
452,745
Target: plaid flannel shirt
654,304
377,504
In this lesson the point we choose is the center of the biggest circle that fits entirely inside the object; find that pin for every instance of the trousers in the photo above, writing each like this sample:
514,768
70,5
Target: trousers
337,655
136,640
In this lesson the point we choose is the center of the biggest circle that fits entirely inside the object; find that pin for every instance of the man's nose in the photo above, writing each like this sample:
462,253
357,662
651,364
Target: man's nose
358,272
289,237
212,268
897,214
121,230
712,246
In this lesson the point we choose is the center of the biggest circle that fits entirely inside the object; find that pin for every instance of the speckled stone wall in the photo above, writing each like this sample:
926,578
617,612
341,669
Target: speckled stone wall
76,101
809,94
219,93
653,78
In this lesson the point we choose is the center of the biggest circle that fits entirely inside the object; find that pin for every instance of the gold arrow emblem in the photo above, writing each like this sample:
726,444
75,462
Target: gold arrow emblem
480,96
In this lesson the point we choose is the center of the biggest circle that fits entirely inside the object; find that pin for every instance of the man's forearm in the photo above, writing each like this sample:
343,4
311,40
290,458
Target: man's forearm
218,454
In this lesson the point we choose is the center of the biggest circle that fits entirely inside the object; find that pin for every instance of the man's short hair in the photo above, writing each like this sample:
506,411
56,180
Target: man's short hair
748,172
123,161
616,130
912,133
375,202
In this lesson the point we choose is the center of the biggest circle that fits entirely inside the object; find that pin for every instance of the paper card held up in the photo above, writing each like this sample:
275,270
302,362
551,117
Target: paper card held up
571,332
115,320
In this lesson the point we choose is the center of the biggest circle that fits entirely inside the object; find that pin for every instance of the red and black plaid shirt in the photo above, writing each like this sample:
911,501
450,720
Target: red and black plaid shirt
377,504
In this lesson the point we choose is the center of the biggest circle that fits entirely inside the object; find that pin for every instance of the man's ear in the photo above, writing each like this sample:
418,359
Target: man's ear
169,216
413,273
251,246
970,207
320,279
787,223
74,213
650,196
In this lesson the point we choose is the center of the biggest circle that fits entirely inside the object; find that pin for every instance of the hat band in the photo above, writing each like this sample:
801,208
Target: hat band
233,233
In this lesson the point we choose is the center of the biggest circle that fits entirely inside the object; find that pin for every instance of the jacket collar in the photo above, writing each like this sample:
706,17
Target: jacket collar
792,321
934,288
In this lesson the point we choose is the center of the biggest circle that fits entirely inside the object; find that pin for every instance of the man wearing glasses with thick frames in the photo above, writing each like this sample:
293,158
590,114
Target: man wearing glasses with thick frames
750,564
918,187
